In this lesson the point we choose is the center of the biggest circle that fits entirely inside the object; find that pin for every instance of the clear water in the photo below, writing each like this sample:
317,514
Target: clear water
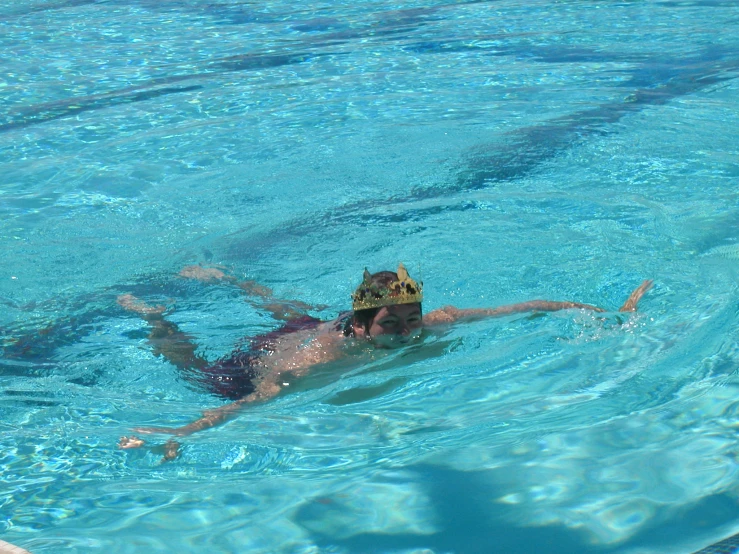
504,150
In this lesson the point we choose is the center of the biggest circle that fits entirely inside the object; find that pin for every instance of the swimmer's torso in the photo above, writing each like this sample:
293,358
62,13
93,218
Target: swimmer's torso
296,352
275,358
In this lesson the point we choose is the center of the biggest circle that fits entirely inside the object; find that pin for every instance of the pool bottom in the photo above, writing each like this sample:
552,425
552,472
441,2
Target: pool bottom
7,548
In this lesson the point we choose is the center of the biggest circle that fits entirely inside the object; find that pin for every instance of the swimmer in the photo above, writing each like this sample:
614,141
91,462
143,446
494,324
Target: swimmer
386,313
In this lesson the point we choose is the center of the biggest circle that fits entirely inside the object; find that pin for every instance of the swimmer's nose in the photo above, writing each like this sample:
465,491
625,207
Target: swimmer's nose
404,331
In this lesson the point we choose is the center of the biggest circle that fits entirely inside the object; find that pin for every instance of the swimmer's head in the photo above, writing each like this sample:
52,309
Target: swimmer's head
387,308
386,289
389,326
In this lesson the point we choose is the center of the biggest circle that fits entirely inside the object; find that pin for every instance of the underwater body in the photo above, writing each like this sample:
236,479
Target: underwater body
504,151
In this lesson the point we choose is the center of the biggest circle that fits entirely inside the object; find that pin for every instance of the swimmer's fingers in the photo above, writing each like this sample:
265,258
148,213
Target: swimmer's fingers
130,442
634,297
170,450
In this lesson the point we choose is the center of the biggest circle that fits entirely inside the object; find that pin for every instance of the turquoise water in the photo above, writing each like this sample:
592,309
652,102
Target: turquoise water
503,150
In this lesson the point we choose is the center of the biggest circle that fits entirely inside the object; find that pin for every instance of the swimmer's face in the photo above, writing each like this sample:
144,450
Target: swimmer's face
394,326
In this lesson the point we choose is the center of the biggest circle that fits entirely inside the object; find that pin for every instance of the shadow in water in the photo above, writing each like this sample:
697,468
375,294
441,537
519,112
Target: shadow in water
469,521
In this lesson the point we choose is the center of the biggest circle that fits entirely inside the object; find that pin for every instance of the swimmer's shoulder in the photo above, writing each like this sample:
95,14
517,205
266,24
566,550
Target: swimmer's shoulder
336,325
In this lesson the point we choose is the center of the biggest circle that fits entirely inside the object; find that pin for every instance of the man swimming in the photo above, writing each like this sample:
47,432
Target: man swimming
386,313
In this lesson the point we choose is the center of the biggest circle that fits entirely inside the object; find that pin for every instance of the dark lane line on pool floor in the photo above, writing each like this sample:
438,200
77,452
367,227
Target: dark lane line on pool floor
524,152
396,23
393,26
485,166
49,111
654,81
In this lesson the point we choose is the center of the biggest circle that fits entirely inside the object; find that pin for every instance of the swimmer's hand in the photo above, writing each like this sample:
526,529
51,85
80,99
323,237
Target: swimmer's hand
130,442
634,297
170,450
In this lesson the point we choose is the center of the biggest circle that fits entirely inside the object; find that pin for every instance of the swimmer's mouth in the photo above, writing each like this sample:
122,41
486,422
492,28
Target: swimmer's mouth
397,341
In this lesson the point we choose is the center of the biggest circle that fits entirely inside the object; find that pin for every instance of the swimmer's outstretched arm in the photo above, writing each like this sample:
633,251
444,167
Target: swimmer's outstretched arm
282,310
450,314
211,418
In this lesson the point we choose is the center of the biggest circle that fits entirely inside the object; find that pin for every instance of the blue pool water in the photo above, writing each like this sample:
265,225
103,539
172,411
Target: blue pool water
503,150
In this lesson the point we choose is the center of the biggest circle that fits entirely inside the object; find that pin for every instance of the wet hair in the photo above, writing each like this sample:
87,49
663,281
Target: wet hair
364,317
361,317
